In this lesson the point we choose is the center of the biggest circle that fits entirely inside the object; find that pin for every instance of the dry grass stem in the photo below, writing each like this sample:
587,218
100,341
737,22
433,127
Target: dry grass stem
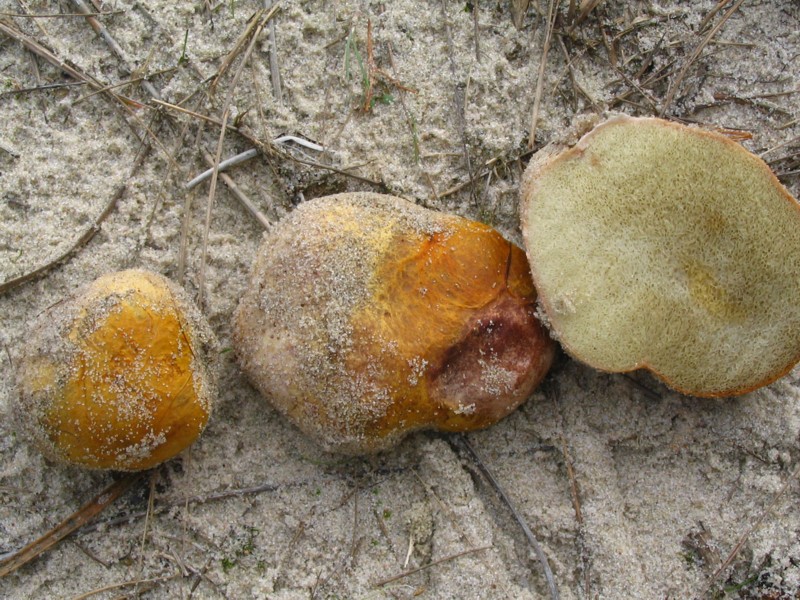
537,98
248,204
39,50
274,65
675,85
119,85
238,159
585,8
260,23
61,15
84,239
83,515
518,10
135,582
430,565
256,25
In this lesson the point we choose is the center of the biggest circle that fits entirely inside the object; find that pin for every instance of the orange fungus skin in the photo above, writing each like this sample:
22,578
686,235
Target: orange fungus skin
387,318
119,376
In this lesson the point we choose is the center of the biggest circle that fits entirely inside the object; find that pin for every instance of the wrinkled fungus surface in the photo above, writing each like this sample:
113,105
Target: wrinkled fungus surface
670,248
368,317
118,376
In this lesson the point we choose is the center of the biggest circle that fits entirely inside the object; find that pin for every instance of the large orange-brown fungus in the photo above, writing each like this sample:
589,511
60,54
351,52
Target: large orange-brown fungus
368,317
118,376
659,246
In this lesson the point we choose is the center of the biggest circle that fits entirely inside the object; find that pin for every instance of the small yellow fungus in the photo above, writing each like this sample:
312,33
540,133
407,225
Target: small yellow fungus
119,376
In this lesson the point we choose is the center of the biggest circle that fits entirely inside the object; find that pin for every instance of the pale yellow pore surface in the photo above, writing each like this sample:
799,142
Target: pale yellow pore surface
661,246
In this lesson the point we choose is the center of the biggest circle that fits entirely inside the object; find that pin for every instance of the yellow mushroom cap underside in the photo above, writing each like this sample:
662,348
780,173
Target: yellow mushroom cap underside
118,376
670,248
369,317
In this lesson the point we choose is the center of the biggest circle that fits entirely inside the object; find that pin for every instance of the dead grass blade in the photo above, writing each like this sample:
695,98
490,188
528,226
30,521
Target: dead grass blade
248,204
518,10
429,565
260,24
551,23
84,239
270,149
746,535
101,30
253,29
60,15
675,85
83,515
274,65
39,50
146,583
585,8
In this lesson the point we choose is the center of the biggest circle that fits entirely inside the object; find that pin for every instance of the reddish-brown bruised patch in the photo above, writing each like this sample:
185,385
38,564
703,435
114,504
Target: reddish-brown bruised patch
452,320
501,357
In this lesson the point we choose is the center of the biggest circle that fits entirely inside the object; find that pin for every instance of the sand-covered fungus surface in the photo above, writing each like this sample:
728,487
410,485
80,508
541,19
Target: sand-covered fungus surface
121,375
631,490
368,317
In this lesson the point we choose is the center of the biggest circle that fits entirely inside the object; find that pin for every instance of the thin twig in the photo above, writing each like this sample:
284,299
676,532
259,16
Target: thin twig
261,23
518,10
240,195
477,31
83,515
540,555
537,99
224,165
134,582
274,65
43,88
119,85
711,14
60,15
746,535
84,239
429,565
673,88
586,7
101,30
38,49
269,149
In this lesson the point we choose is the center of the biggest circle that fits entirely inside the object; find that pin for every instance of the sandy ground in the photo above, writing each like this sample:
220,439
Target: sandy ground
632,490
